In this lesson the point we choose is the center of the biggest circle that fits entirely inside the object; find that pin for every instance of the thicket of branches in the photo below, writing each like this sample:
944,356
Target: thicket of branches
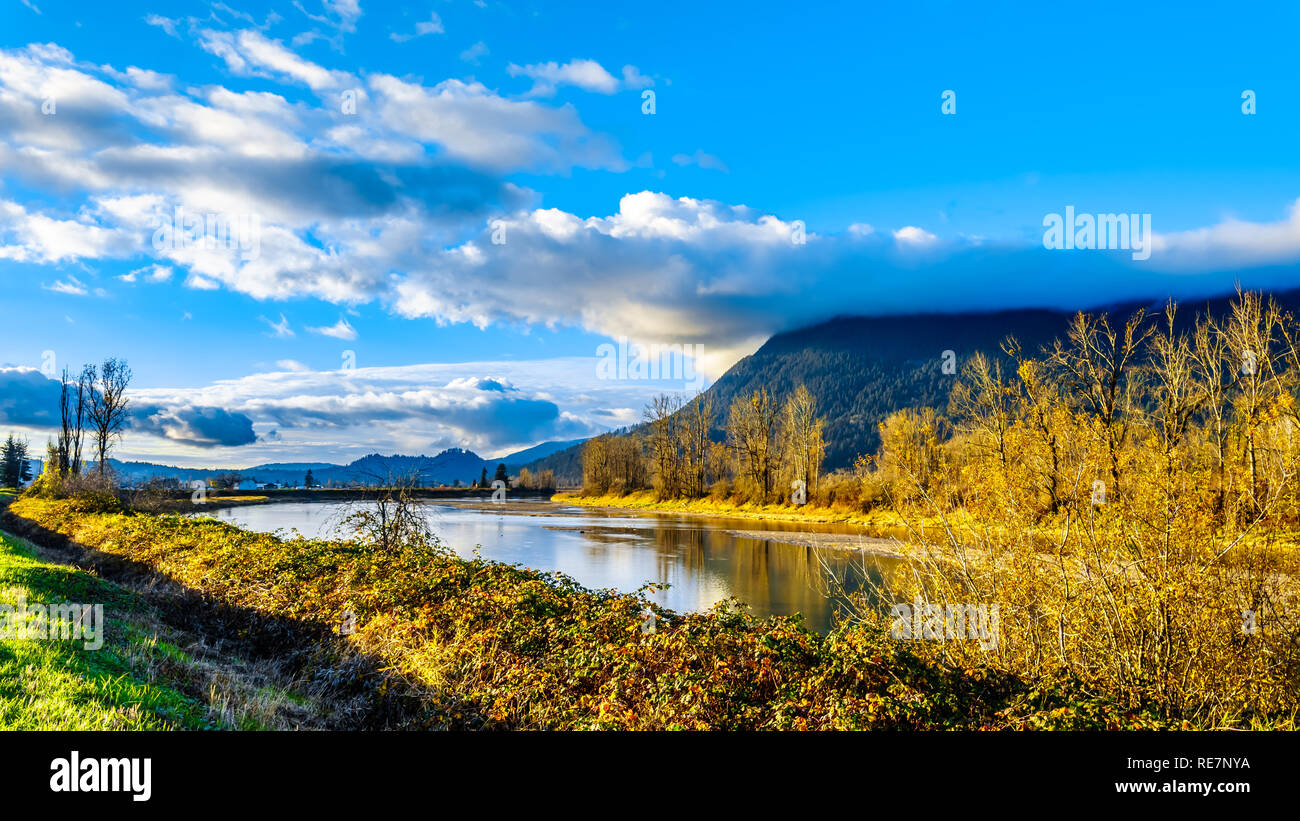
93,409
765,449
1128,498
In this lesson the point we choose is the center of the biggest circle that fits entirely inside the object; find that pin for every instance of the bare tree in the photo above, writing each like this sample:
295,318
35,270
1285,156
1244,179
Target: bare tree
1100,364
662,419
751,426
1218,377
108,407
697,420
801,438
394,520
1251,331
74,410
983,399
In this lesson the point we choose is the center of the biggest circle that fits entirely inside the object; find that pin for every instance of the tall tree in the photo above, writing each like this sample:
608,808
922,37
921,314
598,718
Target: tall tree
108,407
751,428
74,410
13,462
1100,363
697,420
662,419
1252,331
801,438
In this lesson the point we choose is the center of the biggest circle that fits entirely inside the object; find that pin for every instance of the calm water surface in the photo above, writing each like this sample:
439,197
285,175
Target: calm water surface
704,559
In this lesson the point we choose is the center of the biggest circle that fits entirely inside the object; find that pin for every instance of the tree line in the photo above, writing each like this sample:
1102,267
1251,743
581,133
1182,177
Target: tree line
762,453
1128,496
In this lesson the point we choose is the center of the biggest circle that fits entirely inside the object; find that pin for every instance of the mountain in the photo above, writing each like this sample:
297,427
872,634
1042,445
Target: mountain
860,369
527,455
566,463
444,469
454,464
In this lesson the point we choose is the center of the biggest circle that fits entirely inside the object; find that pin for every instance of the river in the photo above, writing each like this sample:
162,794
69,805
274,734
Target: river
776,568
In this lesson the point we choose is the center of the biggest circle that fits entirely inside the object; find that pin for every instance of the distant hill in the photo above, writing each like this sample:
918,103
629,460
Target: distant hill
536,452
454,464
861,369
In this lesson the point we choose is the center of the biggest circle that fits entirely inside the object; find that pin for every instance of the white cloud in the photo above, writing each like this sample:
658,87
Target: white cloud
431,26
915,236
489,407
475,52
701,159
475,125
71,286
150,273
390,205
165,23
249,52
279,329
588,75
633,78
339,330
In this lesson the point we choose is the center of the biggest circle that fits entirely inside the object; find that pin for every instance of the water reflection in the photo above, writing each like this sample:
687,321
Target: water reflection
703,560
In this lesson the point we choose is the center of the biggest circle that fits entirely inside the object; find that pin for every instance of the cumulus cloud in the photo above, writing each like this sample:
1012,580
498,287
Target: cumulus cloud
30,399
194,426
489,407
587,75
392,204
149,273
913,235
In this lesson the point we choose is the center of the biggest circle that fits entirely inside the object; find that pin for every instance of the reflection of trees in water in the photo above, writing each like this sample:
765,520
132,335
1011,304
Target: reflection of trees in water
860,582
771,577
680,550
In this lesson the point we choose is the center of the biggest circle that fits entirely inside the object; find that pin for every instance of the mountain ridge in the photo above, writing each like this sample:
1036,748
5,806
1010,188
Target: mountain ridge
445,468
862,368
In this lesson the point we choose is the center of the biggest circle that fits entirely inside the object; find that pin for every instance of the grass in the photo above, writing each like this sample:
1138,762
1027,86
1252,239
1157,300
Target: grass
146,676
61,685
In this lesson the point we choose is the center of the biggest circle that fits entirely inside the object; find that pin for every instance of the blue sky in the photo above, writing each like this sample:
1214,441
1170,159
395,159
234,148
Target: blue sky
375,223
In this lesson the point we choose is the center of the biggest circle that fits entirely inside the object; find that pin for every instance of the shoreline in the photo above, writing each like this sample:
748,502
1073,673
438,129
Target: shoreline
644,501
868,540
